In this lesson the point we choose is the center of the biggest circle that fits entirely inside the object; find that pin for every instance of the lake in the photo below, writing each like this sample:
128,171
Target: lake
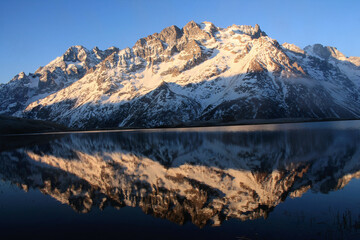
273,181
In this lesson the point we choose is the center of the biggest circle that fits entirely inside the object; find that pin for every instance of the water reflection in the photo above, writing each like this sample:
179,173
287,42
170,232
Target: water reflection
204,177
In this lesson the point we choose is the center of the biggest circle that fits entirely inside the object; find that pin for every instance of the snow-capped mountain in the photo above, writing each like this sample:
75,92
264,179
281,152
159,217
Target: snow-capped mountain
202,177
195,74
24,89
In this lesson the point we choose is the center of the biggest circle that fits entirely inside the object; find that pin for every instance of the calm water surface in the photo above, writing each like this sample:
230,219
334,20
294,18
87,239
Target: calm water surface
278,181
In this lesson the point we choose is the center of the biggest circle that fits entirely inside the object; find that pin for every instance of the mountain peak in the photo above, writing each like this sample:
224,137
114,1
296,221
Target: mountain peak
170,34
21,75
293,48
209,27
76,48
191,24
75,53
324,52
254,32
257,32
194,30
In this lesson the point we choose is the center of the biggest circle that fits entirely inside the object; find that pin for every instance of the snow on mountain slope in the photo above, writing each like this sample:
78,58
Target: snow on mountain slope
202,72
63,71
350,67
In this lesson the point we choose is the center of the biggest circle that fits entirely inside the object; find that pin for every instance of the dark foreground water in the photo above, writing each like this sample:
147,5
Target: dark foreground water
285,181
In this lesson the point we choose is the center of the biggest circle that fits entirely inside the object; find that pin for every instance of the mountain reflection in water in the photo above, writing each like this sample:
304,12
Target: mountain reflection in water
200,175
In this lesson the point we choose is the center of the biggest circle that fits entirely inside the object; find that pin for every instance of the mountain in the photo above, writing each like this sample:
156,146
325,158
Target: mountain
201,177
199,73
24,89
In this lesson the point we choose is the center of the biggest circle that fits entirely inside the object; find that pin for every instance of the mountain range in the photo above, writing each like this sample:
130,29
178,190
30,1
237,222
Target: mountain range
200,73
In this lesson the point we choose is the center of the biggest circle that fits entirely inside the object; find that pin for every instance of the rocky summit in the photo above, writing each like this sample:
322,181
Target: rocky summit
200,73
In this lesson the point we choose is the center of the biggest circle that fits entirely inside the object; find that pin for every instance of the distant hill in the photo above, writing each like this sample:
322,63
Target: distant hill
14,125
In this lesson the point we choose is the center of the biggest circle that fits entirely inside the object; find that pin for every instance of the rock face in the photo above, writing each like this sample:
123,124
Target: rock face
198,73
202,177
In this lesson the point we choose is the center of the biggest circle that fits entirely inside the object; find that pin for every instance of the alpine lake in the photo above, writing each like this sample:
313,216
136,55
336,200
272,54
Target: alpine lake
270,181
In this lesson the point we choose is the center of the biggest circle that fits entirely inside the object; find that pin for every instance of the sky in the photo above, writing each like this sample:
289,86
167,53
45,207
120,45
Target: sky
33,33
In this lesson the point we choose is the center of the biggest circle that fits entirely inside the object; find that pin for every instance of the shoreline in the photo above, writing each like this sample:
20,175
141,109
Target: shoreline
247,122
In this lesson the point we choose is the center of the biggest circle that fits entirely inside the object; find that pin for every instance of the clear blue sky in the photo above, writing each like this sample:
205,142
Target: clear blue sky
34,32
